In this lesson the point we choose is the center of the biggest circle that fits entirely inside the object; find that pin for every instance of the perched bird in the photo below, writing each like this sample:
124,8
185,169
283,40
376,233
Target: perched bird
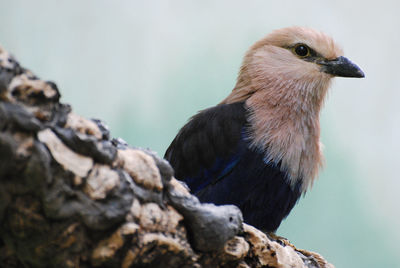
259,148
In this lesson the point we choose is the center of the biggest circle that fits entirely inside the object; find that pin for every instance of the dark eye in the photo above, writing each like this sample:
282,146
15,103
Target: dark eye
302,50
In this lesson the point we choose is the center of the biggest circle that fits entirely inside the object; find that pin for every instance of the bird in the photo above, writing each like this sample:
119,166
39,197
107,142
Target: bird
259,148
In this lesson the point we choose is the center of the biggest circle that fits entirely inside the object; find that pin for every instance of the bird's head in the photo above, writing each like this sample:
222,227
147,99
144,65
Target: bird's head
289,61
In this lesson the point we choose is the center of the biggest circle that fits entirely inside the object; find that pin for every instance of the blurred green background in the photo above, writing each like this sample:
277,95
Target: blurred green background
146,66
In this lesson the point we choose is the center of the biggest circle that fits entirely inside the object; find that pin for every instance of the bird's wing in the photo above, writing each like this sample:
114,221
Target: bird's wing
211,153
207,147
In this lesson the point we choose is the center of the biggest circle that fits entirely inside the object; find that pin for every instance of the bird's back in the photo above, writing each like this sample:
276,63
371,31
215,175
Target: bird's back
212,154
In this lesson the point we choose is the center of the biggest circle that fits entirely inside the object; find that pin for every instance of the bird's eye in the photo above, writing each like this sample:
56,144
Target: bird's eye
301,50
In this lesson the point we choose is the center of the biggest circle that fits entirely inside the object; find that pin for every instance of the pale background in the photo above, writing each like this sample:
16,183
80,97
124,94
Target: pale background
146,66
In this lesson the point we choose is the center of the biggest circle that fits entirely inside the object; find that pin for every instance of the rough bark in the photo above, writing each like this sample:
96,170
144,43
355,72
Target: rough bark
70,196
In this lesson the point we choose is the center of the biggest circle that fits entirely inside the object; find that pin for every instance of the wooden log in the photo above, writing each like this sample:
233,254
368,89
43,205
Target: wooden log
71,196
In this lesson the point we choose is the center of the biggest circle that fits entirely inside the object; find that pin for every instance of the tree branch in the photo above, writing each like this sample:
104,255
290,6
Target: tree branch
70,196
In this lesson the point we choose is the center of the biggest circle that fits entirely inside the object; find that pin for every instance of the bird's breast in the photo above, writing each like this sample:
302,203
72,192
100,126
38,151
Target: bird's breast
292,141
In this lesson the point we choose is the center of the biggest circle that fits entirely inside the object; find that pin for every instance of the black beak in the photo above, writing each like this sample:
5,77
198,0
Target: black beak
341,66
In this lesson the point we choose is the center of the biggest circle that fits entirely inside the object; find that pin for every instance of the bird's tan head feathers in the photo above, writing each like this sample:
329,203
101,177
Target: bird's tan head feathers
290,58
320,42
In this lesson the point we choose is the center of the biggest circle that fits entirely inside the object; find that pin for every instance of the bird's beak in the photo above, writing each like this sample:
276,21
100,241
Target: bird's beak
341,66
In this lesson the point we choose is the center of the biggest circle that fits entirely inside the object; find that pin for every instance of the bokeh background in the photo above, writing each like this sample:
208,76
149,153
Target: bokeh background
146,66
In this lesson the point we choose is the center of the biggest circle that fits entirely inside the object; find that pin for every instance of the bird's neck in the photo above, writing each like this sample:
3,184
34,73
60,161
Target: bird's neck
284,122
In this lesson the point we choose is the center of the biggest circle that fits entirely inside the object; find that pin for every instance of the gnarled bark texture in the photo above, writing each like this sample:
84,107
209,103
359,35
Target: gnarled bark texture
70,196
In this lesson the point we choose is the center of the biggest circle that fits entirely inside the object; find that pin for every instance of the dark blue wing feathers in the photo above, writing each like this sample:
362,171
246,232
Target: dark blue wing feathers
212,155
210,176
